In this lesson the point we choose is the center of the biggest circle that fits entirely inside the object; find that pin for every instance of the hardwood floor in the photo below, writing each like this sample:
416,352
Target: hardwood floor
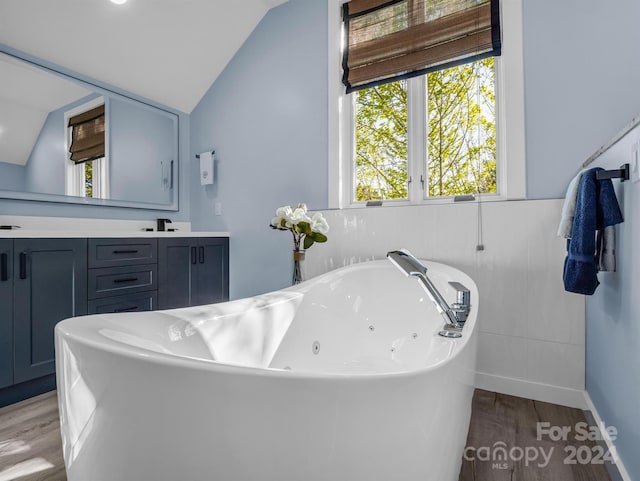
30,445
31,449
500,420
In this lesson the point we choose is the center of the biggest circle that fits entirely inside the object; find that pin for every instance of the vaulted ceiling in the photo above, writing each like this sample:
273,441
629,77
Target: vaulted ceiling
169,51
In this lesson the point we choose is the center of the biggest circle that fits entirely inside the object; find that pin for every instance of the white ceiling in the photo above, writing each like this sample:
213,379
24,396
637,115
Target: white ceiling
169,51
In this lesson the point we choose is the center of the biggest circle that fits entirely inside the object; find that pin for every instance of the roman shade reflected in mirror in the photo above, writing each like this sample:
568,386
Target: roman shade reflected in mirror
87,135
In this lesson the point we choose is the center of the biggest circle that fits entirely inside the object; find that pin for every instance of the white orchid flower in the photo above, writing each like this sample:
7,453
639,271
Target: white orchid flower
319,223
299,215
288,218
284,212
277,223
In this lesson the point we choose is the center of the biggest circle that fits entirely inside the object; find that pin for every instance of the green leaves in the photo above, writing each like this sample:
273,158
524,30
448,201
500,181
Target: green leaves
318,237
303,228
313,237
310,237
308,242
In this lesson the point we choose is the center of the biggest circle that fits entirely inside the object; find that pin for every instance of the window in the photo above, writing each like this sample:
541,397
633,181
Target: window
86,166
456,128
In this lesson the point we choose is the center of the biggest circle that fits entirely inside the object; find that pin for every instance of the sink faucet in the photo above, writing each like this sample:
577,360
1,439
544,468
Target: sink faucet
454,317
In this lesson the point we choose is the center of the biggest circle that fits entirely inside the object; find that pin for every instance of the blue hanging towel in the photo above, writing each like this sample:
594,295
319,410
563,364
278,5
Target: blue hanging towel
596,208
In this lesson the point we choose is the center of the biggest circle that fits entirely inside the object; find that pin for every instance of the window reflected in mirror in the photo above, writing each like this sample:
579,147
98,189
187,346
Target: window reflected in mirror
63,140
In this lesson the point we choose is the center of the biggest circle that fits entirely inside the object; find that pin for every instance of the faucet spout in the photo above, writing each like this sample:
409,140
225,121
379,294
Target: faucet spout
412,267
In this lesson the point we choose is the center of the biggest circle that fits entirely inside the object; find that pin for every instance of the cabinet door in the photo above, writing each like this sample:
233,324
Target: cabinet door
50,285
6,312
212,278
177,263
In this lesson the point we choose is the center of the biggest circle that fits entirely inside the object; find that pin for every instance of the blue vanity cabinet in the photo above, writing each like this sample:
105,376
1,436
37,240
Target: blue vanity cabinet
192,271
212,274
123,275
50,284
6,312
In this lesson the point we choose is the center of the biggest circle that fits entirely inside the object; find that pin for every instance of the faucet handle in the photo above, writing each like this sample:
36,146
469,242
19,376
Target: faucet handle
463,302
162,224
463,295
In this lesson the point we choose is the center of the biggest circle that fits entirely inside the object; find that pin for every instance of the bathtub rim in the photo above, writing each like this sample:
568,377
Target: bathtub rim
99,341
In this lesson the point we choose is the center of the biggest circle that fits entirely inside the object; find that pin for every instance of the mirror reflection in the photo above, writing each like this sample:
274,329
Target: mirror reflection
63,141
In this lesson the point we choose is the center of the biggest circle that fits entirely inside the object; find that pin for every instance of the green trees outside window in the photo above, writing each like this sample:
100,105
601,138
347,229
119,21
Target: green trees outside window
459,138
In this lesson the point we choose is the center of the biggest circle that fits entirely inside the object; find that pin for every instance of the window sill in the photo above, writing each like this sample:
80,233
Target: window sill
430,201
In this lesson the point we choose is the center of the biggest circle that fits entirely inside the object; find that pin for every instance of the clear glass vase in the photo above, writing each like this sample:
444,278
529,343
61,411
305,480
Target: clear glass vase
298,258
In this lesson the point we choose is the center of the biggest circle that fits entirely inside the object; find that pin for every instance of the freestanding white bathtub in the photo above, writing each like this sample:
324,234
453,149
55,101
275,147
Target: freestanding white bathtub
341,378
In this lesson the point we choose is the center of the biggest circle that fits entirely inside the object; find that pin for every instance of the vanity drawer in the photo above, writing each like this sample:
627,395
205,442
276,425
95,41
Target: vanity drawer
145,301
115,281
122,252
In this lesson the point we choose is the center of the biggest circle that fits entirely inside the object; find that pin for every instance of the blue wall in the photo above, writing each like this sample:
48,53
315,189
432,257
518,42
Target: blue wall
582,76
45,169
613,323
142,146
266,118
11,176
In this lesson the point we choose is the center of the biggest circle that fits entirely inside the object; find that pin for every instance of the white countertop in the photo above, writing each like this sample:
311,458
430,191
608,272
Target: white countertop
53,233
62,227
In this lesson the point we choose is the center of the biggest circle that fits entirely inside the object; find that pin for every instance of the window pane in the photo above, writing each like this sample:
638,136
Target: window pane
88,178
381,142
461,152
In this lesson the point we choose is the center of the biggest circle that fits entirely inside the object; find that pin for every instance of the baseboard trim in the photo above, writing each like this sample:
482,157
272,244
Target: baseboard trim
574,398
623,474
20,392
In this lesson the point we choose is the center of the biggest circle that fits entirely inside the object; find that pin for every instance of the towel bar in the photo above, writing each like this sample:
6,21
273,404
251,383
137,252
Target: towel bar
198,155
622,173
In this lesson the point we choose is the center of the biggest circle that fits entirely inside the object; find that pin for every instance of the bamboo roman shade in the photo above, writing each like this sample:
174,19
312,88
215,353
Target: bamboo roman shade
87,135
394,39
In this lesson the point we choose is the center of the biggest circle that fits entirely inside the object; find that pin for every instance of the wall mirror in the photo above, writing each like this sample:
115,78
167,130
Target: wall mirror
64,140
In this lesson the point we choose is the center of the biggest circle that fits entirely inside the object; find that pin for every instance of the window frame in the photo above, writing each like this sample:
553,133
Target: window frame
510,140
75,173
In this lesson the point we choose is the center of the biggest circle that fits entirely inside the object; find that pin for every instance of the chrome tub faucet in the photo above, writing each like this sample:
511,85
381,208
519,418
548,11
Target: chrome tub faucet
454,315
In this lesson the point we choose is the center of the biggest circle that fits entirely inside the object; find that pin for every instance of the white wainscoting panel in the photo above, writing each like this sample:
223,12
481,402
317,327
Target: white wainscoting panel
531,331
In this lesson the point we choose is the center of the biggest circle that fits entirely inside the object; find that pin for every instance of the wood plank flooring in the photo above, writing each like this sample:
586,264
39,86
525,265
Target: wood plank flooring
499,420
31,449
30,444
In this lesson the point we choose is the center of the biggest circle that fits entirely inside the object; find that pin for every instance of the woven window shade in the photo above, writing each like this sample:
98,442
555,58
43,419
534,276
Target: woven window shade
390,40
87,135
